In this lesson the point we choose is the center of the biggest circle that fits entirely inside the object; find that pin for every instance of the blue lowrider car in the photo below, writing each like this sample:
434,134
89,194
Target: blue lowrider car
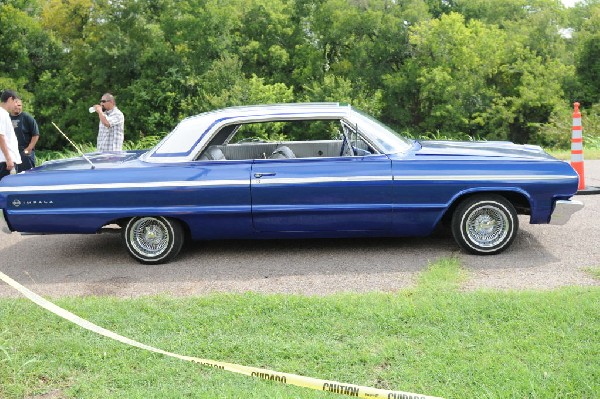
292,171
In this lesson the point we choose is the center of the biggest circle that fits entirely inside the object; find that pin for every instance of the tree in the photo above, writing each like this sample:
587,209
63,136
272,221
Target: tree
493,69
588,57
266,37
66,19
469,77
530,92
449,72
338,89
26,48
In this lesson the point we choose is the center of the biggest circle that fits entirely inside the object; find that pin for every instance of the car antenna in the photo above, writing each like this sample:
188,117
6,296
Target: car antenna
74,145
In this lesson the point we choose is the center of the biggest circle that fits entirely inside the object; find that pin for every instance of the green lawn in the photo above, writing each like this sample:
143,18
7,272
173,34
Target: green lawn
588,154
433,339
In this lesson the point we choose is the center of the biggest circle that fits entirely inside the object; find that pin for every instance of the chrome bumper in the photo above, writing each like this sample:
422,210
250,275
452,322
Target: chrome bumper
3,225
563,211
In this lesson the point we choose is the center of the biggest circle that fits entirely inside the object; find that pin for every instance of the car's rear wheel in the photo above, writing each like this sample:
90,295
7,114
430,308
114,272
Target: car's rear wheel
153,239
485,224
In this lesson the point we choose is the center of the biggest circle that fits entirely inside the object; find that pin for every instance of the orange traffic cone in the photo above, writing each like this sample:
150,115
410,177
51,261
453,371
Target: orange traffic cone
577,154
577,147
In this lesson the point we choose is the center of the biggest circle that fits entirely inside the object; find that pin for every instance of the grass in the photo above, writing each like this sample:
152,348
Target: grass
588,154
594,272
432,339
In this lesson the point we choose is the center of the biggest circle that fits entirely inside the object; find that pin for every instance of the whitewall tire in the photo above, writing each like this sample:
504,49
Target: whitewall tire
485,224
153,239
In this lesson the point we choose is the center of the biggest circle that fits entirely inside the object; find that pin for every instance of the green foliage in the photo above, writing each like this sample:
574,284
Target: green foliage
493,69
144,143
339,89
534,95
588,67
67,152
558,131
252,91
455,61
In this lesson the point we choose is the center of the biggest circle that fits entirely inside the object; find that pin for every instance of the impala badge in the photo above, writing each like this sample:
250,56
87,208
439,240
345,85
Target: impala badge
17,203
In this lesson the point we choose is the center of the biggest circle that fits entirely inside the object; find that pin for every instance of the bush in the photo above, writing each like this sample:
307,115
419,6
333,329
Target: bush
556,134
144,143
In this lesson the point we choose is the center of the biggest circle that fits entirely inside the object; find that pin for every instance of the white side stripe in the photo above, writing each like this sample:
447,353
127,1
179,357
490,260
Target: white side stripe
324,179
274,180
112,186
484,177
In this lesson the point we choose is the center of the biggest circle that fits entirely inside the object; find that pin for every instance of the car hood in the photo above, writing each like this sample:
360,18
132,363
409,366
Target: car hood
100,160
490,149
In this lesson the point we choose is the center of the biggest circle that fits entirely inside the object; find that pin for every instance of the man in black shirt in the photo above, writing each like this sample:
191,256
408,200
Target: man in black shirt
26,129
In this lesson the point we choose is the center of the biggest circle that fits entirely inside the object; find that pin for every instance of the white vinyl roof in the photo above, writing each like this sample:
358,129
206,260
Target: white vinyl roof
192,133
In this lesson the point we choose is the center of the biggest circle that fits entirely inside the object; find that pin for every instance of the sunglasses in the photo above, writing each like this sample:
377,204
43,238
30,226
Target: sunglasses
104,101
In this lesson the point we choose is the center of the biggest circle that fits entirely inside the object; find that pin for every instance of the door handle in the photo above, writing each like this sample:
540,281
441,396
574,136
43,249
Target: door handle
259,175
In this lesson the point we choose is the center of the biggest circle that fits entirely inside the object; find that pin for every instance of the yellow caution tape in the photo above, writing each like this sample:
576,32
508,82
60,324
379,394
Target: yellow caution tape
286,378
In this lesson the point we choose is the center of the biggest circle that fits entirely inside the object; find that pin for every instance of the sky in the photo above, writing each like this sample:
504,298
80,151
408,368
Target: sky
569,3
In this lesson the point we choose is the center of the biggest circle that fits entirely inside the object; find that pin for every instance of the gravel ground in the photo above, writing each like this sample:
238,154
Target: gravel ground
542,257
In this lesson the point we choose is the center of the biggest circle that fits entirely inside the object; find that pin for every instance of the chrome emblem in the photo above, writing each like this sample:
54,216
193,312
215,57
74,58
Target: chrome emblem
17,202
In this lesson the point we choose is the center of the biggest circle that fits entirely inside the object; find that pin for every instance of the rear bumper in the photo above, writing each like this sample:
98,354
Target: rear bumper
3,225
563,211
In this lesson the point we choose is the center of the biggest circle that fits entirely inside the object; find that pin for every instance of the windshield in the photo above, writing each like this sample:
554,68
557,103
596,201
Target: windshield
383,136
185,136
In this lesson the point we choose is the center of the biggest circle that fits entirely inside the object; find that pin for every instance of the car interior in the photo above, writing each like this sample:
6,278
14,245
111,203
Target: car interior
286,140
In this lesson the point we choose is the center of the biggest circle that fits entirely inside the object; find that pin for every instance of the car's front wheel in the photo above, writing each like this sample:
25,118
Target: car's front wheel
153,239
485,224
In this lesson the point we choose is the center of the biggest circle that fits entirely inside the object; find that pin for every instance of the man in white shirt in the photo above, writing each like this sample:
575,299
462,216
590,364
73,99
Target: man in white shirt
111,126
9,146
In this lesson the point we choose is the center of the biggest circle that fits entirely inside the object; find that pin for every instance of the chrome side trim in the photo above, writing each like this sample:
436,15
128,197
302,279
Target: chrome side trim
205,183
485,178
3,224
563,210
293,180
266,179
112,186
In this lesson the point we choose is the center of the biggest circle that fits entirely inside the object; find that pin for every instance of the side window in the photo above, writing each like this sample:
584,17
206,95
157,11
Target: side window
286,139
280,131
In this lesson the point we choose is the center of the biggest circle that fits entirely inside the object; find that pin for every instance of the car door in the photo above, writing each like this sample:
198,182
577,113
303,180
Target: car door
336,194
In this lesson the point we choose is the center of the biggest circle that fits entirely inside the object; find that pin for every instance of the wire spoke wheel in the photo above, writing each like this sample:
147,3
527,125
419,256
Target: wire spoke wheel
150,236
153,240
485,224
